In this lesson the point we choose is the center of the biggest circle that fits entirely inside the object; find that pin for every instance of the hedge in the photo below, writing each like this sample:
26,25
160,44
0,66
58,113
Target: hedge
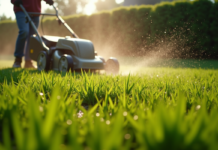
169,29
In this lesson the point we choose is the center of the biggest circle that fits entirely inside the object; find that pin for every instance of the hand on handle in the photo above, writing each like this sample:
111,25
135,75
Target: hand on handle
50,2
18,2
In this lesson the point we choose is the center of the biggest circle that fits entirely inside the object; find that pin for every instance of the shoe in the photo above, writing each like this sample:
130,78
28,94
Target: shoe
17,62
29,64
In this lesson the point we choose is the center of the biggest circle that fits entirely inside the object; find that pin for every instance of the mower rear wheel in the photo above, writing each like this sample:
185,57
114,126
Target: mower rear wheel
112,66
65,63
43,61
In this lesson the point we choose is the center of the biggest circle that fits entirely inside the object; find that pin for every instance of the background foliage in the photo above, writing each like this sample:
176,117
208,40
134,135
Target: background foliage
169,29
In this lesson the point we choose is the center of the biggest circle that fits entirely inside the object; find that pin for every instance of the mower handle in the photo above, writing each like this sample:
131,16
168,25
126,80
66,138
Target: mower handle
61,21
46,14
34,27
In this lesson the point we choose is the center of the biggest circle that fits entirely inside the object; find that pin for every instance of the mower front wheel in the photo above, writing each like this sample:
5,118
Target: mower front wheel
43,61
112,66
65,63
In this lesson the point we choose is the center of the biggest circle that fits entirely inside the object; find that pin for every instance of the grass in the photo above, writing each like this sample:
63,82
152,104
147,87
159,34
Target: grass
158,108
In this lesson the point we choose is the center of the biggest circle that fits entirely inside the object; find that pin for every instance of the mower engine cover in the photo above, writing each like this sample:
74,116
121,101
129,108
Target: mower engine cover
81,48
82,52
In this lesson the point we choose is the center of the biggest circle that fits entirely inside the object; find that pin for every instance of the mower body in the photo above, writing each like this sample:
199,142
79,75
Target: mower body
65,53
82,52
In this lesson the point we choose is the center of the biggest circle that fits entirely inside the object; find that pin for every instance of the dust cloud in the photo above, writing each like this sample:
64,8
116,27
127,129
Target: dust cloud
157,54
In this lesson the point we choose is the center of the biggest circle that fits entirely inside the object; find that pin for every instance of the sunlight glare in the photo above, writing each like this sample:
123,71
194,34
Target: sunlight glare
90,7
119,1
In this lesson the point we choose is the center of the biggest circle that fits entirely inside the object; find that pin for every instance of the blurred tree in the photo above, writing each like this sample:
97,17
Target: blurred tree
140,2
3,17
106,5
66,7
69,7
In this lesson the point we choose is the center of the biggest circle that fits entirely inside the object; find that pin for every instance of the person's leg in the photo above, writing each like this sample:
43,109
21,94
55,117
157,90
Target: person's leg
28,62
21,39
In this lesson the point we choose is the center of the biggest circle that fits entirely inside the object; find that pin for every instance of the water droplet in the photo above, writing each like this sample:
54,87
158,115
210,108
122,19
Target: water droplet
40,108
58,97
127,136
124,113
102,119
41,94
97,114
198,107
135,117
69,122
108,122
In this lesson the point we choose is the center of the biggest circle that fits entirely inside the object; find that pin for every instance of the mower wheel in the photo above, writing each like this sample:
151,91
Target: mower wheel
65,63
112,66
43,61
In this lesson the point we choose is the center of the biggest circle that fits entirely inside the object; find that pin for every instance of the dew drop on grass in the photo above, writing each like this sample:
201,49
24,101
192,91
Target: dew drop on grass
97,114
124,113
102,119
135,117
69,122
198,107
108,122
40,108
58,97
127,136
41,94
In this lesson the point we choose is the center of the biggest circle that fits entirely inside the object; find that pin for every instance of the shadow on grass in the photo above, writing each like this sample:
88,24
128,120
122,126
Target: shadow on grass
14,73
7,74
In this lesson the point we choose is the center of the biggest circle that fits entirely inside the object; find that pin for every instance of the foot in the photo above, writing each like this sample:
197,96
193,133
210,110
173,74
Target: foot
17,62
29,64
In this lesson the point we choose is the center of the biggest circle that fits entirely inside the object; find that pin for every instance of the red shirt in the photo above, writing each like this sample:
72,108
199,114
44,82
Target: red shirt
29,5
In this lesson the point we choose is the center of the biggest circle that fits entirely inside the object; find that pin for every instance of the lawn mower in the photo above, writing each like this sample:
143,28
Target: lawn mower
66,53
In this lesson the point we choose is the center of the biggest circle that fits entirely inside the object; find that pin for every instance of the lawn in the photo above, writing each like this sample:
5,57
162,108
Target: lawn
147,106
